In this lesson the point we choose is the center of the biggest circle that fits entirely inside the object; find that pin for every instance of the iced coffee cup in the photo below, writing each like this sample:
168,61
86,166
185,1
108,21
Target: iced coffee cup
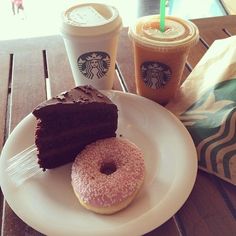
90,32
160,57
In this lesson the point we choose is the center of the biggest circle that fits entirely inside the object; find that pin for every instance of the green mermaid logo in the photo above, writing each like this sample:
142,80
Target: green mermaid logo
94,65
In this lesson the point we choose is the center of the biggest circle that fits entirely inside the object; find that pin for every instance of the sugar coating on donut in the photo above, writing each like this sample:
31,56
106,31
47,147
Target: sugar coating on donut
108,172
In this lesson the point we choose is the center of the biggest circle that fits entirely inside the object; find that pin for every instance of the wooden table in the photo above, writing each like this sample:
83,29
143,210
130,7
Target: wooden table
26,65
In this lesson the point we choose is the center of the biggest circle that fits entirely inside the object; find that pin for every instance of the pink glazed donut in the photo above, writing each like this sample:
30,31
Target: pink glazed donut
107,175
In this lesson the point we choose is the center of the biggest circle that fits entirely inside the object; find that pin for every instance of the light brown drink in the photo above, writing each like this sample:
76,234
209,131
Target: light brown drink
160,57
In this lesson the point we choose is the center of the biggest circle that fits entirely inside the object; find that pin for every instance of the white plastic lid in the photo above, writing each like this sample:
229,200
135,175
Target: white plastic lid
178,34
90,19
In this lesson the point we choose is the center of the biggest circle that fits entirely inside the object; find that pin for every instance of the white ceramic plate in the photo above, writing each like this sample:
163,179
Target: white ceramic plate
47,202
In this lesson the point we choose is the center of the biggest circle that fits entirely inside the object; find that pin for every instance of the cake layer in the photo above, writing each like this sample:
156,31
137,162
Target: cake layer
64,154
44,141
51,125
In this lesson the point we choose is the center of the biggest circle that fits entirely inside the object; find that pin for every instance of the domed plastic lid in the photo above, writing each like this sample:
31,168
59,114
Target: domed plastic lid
90,19
178,33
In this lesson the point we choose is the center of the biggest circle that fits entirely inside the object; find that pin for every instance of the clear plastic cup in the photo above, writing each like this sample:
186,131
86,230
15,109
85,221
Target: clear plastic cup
160,57
90,32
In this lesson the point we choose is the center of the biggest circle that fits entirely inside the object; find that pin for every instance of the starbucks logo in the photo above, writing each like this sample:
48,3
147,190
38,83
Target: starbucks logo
94,65
155,74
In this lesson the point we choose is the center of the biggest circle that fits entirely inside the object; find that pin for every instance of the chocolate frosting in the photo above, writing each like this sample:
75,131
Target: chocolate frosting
69,100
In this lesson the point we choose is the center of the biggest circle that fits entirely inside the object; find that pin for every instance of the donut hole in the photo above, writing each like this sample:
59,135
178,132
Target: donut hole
108,168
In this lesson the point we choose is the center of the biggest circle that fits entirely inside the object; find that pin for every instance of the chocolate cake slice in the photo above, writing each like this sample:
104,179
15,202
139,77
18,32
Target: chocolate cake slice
70,121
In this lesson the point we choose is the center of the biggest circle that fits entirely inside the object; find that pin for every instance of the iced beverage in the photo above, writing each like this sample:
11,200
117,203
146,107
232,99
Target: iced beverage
160,57
90,33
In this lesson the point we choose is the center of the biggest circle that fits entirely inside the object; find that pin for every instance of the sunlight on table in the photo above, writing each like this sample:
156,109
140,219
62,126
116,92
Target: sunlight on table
41,18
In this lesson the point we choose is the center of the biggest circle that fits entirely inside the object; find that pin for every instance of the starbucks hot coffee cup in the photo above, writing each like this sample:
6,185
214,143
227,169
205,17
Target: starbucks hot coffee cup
160,57
90,32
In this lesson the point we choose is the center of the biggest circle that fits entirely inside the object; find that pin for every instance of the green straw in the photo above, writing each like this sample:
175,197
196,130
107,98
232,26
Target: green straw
162,15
